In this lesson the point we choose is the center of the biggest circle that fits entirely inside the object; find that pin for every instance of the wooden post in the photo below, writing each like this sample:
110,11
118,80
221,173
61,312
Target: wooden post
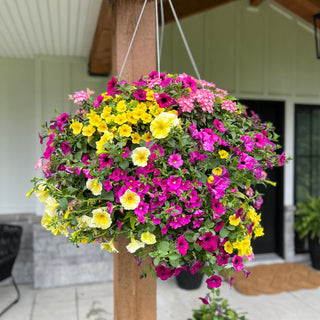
134,298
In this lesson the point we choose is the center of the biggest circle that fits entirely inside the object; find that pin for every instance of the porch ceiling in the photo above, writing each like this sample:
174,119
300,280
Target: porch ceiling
83,28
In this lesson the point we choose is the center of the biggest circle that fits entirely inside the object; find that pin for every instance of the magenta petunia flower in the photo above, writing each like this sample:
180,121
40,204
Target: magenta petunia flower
163,272
182,245
98,101
175,160
164,100
140,94
65,147
213,282
196,266
219,125
205,299
208,242
282,159
237,263
86,158
48,152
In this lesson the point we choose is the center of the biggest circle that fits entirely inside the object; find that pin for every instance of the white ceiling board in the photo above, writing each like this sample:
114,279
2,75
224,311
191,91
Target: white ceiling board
48,27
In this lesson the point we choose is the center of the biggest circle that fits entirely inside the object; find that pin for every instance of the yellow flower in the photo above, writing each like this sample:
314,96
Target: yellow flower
95,120
110,118
146,118
217,171
76,127
233,220
102,127
140,156
30,193
91,114
147,137
228,247
131,118
155,110
130,200
134,245
42,193
162,124
121,106
210,179
258,232
63,229
148,238
142,107
125,130
51,206
120,118
135,137
223,154
106,112
88,131
101,218
107,136
150,95
46,221
94,186
109,246
106,96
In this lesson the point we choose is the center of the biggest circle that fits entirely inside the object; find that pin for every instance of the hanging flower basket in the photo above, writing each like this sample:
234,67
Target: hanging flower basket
169,162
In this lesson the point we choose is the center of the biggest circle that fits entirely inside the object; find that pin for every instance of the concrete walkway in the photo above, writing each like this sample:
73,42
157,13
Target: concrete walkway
95,302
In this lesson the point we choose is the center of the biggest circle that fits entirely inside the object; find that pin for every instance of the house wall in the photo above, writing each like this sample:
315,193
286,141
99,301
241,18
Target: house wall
262,53
30,90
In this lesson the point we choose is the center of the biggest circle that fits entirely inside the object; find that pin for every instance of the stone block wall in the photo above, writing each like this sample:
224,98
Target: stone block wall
57,262
23,267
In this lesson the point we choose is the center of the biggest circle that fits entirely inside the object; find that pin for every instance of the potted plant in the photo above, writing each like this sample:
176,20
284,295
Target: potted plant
170,163
216,309
307,224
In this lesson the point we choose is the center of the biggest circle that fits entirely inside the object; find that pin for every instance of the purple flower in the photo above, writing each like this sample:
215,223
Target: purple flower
182,245
213,282
140,94
175,160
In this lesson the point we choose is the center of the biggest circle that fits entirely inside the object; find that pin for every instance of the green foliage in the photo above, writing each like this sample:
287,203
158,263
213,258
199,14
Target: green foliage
218,309
308,218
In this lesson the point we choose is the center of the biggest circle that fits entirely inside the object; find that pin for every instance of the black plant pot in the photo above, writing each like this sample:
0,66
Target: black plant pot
189,281
314,249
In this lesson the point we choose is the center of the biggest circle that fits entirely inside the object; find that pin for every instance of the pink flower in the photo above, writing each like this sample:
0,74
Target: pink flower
213,282
182,245
38,164
175,160
282,159
205,299
80,96
208,242
229,105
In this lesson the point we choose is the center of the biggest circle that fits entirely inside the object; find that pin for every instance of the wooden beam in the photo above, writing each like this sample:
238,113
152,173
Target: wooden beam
305,9
134,298
255,3
186,8
101,50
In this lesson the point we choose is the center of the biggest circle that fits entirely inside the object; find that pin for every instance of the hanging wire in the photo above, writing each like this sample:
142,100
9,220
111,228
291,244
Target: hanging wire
133,36
184,41
157,38
162,27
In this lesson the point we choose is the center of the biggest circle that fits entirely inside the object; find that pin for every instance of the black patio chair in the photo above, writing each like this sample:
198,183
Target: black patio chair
10,237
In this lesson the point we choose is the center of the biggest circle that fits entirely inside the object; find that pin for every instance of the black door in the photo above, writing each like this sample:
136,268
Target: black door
272,208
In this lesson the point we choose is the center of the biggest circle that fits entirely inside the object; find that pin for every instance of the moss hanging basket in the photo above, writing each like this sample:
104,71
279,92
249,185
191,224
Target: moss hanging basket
169,162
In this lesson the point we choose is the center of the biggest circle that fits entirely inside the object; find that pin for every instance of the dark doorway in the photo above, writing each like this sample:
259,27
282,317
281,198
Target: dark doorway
272,208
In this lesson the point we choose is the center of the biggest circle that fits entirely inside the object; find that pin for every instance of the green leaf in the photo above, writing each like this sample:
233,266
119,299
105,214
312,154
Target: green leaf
163,247
223,233
63,203
105,195
124,164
